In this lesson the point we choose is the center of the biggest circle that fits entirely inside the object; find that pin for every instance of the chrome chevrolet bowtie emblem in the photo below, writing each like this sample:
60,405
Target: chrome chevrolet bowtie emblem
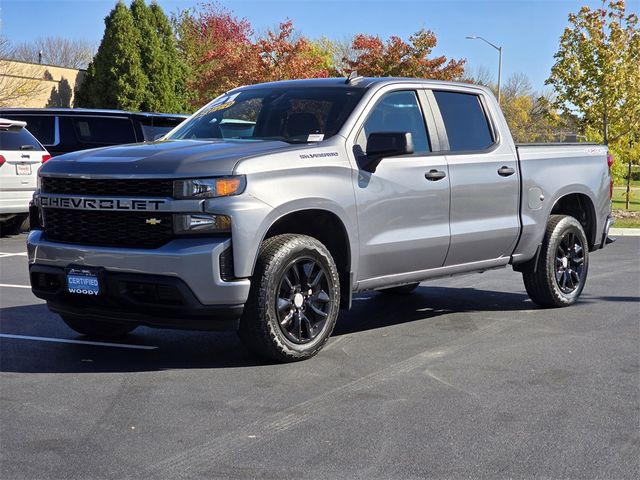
153,221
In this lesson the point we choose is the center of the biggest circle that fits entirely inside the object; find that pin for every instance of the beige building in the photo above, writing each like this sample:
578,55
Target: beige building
25,84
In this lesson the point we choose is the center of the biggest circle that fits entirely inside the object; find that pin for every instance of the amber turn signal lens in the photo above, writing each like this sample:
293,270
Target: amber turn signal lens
227,186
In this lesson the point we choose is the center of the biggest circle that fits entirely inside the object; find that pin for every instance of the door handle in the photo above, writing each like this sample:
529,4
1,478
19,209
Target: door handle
435,175
506,171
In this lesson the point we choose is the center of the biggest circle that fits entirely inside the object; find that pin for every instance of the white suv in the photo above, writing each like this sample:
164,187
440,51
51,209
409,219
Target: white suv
20,157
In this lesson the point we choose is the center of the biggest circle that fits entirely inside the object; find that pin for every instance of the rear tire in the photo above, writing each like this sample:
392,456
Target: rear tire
401,290
294,299
22,224
561,271
97,329
15,225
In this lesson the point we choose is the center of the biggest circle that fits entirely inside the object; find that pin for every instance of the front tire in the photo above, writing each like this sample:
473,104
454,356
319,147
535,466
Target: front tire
294,299
97,329
561,271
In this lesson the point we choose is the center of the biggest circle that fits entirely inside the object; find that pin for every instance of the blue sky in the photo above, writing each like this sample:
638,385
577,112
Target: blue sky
528,30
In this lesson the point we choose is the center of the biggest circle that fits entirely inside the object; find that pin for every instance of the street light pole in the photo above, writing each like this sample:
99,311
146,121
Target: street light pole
499,72
499,49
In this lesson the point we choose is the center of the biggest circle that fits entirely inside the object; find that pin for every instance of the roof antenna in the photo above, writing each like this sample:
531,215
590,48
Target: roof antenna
353,77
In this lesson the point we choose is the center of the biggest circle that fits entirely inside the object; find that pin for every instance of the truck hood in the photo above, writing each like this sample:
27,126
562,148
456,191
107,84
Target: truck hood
171,158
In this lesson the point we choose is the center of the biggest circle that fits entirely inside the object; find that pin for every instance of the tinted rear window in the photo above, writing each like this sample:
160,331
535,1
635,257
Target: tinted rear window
41,127
464,119
104,130
156,126
16,139
152,132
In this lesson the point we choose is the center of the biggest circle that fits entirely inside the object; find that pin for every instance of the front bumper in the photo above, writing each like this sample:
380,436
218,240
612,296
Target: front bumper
153,300
190,267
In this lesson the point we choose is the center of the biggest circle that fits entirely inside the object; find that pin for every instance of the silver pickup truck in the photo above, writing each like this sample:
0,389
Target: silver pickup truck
270,206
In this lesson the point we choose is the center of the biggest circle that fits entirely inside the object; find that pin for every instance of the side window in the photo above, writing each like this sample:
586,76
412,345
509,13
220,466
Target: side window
397,112
464,120
104,130
154,127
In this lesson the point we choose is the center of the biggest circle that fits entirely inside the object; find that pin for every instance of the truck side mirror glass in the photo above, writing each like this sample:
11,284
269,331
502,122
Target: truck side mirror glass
385,144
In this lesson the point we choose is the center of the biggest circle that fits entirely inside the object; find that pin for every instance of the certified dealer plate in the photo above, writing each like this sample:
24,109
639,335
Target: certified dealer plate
83,281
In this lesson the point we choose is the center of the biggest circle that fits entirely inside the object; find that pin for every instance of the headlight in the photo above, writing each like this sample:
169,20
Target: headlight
199,223
209,187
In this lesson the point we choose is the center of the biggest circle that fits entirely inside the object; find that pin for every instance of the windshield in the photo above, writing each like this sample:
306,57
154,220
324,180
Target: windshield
294,115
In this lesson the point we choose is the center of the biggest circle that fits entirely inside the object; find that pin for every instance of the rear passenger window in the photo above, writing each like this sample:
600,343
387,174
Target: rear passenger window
397,112
104,130
16,139
465,121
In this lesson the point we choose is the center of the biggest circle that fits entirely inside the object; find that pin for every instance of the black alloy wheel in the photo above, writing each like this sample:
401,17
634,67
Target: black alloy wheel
303,302
569,262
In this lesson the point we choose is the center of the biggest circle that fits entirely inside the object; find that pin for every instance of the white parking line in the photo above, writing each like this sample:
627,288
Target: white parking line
21,254
80,342
9,285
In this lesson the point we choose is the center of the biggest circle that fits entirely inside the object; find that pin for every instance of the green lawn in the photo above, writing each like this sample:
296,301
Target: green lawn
620,196
634,183
627,223
618,202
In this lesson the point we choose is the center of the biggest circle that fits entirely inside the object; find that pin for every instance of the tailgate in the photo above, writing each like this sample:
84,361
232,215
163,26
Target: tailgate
19,170
20,157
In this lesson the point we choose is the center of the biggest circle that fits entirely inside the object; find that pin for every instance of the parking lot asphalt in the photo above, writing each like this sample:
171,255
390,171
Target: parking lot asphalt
464,379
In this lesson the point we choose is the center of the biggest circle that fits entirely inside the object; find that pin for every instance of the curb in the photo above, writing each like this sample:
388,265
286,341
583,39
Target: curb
625,232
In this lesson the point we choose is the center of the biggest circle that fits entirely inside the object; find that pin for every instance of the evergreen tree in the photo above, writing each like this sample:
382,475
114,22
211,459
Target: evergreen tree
151,54
174,68
137,65
115,78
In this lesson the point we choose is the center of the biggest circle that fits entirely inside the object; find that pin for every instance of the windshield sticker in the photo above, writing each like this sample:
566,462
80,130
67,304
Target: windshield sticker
222,106
315,137
221,103
319,155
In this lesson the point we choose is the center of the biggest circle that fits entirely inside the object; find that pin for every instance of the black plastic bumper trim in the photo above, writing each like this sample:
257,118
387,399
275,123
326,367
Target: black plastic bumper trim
152,300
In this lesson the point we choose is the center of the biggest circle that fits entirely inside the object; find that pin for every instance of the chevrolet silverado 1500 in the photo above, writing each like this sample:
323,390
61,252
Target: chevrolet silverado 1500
270,206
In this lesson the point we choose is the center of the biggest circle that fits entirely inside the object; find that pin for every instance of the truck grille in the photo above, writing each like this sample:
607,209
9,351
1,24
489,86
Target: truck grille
108,187
108,229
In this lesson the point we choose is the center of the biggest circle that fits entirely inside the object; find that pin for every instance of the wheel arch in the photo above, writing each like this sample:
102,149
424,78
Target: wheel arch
328,228
580,206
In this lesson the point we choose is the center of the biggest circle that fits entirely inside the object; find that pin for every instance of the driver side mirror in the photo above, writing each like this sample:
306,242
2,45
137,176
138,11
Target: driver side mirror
385,144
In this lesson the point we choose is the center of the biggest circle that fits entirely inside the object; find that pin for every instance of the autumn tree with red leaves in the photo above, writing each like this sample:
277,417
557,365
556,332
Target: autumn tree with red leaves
285,57
219,50
396,58
224,52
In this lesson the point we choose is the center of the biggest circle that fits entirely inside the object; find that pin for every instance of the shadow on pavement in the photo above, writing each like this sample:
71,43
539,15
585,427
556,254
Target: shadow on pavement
193,350
377,310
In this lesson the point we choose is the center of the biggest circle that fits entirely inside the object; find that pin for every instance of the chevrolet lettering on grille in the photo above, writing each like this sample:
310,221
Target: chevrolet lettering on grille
81,203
